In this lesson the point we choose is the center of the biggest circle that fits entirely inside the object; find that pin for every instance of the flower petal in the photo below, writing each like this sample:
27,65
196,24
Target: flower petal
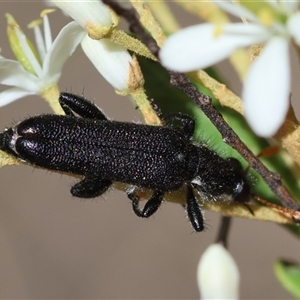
62,48
110,59
12,73
289,6
198,46
47,29
22,47
10,95
267,88
86,11
293,25
218,274
39,41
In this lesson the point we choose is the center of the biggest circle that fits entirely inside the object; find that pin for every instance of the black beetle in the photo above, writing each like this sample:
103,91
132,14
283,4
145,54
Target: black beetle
160,158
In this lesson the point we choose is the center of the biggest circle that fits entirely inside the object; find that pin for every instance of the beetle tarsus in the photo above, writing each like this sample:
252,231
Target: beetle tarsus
150,207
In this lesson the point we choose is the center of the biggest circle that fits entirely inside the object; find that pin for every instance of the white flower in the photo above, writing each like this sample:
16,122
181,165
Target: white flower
93,16
267,86
111,60
37,69
218,275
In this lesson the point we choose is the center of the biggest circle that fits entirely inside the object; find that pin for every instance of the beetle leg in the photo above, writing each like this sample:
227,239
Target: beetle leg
194,211
90,188
150,207
80,106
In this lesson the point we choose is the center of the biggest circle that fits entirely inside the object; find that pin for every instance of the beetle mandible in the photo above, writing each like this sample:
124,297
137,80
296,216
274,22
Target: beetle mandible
161,158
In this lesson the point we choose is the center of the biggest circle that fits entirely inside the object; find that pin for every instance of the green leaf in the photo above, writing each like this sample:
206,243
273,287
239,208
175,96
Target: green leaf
288,274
